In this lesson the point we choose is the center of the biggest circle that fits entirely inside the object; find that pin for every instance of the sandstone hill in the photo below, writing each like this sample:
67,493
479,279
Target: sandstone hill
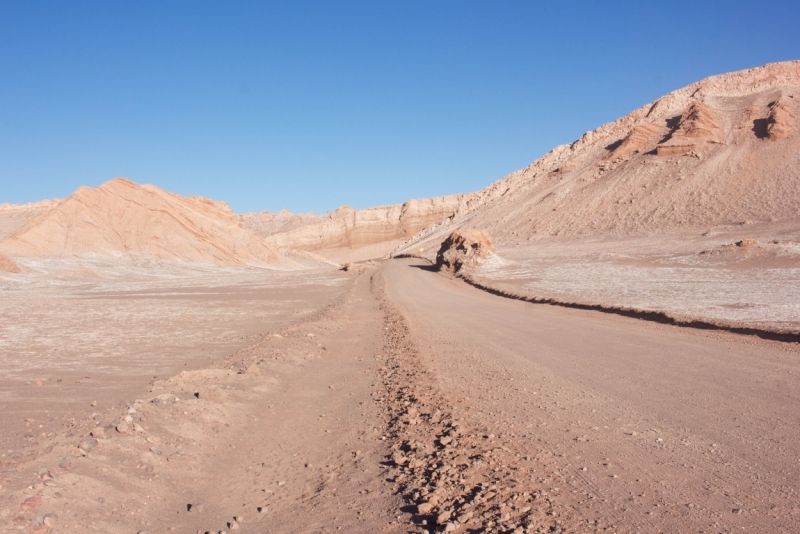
722,151
122,218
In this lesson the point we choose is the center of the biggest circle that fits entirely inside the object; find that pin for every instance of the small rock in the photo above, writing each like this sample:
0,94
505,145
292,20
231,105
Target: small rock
253,370
98,432
443,518
194,508
737,510
88,444
463,518
233,525
50,520
450,527
399,458
39,383
239,519
137,427
122,427
128,419
424,508
94,404
30,503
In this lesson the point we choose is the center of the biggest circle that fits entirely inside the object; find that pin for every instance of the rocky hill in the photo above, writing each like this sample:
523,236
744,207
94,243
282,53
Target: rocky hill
722,151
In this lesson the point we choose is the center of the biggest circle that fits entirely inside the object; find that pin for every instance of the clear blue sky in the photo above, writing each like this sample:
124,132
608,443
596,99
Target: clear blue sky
312,105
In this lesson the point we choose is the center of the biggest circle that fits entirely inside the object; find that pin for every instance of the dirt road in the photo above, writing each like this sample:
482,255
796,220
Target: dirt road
641,427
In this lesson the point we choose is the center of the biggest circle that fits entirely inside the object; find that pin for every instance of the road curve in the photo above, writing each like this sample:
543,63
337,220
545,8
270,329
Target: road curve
641,427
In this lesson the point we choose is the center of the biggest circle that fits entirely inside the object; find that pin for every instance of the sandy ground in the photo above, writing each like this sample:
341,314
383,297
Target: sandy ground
68,339
406,401
685,275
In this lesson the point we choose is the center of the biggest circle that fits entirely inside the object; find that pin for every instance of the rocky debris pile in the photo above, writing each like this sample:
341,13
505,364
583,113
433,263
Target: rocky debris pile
464,248
7,265
456,478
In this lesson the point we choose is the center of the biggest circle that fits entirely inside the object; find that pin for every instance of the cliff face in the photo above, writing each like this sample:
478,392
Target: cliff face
349,228
123,218
722,151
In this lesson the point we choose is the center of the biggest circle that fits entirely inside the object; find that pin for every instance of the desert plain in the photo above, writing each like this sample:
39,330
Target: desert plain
605,341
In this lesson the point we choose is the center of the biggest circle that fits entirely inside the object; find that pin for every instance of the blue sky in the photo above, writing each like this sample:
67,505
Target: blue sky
312,105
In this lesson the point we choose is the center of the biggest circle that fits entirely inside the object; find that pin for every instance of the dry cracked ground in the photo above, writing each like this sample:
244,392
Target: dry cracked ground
403,400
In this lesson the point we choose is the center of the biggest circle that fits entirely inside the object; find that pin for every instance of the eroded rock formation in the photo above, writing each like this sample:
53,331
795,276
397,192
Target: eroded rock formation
463,249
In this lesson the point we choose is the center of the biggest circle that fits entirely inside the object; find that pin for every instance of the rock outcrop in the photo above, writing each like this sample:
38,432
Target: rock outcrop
698,126
781,120
463,249
641,139
122,218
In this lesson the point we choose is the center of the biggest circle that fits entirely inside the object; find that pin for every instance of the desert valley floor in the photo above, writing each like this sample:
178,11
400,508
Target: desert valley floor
390,398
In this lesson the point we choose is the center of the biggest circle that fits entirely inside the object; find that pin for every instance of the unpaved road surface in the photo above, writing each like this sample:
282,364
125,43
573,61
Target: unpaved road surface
643,427
413,402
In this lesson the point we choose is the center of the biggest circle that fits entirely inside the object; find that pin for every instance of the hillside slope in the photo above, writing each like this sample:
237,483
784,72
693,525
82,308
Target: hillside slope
722,151
123,218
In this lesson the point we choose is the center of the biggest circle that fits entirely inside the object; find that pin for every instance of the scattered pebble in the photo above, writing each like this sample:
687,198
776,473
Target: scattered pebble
50,520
